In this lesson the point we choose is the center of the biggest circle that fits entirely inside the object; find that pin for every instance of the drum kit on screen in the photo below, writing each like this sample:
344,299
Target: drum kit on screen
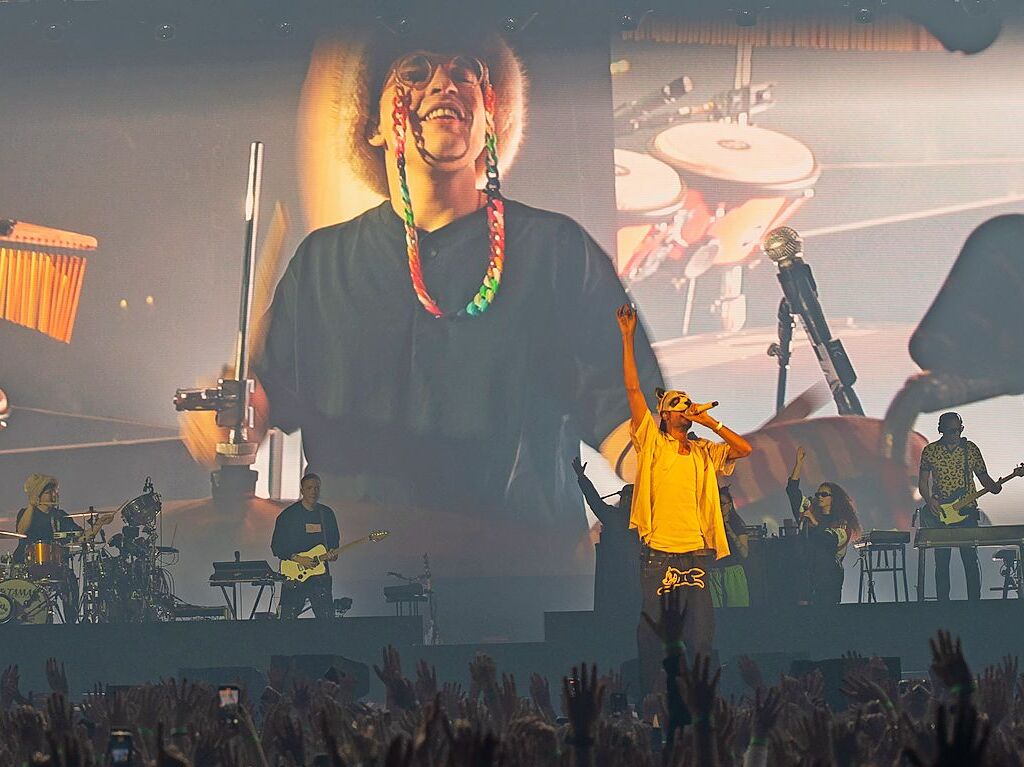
705,191
80,579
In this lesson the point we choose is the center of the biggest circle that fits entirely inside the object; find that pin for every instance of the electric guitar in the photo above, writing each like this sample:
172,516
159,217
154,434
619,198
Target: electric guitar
320,554
949,512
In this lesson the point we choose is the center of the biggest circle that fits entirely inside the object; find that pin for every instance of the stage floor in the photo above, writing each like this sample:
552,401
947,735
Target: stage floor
132,654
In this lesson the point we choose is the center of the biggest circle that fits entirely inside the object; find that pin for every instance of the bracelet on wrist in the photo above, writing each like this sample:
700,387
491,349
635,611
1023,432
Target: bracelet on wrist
718,429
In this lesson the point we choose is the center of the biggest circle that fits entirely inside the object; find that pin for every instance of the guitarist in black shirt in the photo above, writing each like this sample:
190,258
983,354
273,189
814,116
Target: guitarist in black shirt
299,528
948,468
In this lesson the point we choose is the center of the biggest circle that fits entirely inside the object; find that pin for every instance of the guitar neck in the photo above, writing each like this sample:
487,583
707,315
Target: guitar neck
972,497
351,544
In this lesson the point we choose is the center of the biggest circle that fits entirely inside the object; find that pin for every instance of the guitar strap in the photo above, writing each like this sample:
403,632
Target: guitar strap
967,467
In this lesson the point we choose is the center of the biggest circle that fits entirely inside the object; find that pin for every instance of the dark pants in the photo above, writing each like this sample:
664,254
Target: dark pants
972,570
661,572
826,580
318,590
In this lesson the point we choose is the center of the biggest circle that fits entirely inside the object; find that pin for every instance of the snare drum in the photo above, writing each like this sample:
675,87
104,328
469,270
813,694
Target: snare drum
743,181
45,560
22,601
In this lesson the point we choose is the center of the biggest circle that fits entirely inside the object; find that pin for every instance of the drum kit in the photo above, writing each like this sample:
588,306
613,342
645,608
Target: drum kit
79,579
704,192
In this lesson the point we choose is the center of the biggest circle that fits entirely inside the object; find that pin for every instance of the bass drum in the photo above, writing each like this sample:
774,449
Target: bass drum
24,602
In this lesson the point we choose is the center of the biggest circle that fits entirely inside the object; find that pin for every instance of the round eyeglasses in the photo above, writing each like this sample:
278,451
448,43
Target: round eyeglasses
417,69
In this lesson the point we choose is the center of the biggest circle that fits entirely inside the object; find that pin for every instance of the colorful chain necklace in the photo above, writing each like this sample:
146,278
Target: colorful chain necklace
495,212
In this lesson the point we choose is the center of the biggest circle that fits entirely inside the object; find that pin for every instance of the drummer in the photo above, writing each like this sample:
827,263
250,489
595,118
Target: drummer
40,520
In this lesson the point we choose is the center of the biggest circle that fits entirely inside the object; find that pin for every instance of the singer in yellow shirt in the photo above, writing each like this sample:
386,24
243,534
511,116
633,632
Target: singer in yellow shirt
675,506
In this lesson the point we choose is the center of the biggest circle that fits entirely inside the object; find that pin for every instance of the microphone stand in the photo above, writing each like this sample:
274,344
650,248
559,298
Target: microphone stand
781,351
785,247
232,397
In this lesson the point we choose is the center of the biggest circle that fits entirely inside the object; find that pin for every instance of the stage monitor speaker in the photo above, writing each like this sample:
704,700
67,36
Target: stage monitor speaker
250,679
310,667
834,671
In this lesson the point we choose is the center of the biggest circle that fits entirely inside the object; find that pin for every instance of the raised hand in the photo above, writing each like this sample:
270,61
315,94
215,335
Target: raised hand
426,682
483,675
56,677
949,665
767,708
400,691
584,696
750,672
698,686
540,693
626,316
579,467
669,626
965,746
9,691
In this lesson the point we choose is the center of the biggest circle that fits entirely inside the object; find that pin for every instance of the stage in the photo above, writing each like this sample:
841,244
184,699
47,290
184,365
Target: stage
775,637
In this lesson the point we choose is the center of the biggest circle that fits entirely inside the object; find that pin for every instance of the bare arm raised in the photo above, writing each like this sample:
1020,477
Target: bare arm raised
626,316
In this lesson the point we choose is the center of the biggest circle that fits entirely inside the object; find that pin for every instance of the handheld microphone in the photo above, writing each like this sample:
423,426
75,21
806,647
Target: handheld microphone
784,246
698,409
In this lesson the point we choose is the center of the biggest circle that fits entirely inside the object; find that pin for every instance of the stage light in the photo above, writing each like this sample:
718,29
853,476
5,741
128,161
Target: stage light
284,28
54,31
394,15
149,300
975,7
123,303
517,16
865,14
164,32
747,12
629,15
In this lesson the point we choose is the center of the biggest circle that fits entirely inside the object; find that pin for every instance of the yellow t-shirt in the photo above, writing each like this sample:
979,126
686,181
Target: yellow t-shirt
674,525
675,497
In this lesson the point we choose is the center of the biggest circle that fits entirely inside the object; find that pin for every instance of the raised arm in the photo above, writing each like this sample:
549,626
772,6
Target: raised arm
593,497
626,316
796,498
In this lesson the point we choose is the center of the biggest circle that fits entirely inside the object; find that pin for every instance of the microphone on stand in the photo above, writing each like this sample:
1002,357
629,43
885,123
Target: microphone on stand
632,115
784,246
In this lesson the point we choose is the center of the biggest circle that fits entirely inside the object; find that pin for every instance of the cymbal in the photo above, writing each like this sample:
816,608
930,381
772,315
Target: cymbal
95,512
13,535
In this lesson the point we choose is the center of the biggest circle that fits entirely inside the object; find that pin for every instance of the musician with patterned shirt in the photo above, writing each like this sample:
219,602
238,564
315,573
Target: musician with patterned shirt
948,468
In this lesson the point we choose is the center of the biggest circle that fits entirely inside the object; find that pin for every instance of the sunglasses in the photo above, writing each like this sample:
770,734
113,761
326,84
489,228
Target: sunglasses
417,70
820,494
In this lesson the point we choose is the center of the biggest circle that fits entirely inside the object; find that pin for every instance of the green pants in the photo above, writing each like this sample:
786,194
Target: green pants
729,587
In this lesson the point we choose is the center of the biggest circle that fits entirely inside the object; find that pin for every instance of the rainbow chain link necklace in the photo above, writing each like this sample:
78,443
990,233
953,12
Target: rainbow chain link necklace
495,213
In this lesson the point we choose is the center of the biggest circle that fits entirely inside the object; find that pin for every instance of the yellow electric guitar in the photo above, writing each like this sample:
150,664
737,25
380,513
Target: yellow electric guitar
320,554
949,513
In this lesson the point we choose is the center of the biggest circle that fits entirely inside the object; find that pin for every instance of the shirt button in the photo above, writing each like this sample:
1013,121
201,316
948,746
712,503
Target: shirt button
433,253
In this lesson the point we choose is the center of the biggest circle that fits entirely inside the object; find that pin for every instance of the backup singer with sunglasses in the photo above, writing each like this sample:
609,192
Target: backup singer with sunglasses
829,521
445,352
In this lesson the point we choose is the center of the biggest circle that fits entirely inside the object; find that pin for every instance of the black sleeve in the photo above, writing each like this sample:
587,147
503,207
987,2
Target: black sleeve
587,279
601,509
66,524
277,365
281,543
331,534
796,498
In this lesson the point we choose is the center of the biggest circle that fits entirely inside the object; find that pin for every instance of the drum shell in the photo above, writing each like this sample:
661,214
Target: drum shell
45,559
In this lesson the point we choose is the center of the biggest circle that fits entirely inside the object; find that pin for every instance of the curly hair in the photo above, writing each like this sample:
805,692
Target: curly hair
843,508
347,73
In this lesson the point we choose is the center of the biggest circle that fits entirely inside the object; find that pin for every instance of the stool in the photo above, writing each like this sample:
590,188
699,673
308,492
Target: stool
1009,569
878,558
